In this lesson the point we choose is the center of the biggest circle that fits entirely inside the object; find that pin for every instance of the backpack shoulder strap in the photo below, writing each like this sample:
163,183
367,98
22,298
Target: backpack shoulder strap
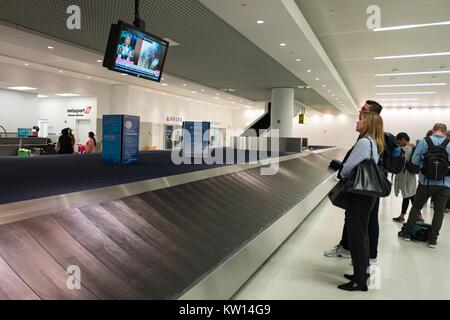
429,142
445,143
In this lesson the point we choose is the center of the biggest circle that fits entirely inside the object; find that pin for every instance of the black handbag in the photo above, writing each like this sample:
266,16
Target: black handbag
338,196
367,179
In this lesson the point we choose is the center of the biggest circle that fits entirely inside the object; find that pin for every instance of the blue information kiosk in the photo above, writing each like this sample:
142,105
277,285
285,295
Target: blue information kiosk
121,139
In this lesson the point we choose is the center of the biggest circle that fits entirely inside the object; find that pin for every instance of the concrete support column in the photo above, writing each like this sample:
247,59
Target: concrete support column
283,111
121,99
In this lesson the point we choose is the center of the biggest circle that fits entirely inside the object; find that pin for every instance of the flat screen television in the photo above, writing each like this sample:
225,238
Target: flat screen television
135,52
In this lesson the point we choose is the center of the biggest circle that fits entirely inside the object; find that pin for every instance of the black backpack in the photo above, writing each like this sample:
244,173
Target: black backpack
393,157
435,161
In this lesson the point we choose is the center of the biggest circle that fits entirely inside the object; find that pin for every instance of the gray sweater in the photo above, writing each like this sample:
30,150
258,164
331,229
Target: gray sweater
360,152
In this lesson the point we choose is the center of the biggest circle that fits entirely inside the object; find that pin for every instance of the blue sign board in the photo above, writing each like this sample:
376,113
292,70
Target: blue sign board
130,145
120,139
195,138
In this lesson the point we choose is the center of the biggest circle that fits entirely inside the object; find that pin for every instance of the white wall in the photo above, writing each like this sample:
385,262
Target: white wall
55,111
328,130
415,122
18,110
155,108
23,110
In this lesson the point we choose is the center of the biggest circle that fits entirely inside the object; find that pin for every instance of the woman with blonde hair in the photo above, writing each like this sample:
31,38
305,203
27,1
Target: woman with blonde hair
369,146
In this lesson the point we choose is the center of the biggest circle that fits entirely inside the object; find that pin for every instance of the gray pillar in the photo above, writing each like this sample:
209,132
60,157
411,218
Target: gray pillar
283,111
121,99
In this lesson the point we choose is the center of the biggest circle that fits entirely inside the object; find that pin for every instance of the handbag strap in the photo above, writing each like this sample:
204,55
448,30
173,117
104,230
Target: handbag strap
371,149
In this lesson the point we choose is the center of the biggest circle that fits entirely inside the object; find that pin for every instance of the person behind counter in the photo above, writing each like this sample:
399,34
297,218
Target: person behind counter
91,144
65,145
72,137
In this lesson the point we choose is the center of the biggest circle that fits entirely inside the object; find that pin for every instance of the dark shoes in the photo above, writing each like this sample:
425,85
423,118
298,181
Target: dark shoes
399,219
405,235
432,244
353,286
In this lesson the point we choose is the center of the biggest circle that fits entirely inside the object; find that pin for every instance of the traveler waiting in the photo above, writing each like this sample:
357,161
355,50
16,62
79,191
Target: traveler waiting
65,145
359,208
405,182
342,250
91,144
72,137
433,157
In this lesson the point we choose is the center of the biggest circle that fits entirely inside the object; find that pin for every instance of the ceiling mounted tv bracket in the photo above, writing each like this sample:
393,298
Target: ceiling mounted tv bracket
138,22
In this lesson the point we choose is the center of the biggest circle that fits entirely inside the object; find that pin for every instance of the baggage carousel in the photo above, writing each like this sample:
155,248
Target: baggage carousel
196,234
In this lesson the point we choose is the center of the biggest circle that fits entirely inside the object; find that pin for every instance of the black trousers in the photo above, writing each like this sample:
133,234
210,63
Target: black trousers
374,231
405,204
357,217
440,196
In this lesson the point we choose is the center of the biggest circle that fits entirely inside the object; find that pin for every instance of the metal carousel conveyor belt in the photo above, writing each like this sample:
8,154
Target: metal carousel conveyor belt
171,243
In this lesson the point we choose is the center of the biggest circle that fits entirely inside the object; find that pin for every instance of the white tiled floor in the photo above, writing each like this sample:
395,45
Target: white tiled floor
298,270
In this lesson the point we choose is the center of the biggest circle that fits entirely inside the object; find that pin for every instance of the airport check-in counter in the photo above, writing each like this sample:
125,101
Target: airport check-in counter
10,146
198,235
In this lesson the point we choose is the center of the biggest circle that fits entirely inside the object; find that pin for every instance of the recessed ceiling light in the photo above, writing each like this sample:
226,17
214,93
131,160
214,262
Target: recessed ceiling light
202,90
411,73
216,98
260,22
324,85
99,61
298,60
194,92
412,85
123,74
317,79
164,84
42,96
283,44
421,55
27,64
22,88
50,47
88,77
333,95
67,95
309,71
413,26
403,93
240,101
217,94
329,90
184,85
60,71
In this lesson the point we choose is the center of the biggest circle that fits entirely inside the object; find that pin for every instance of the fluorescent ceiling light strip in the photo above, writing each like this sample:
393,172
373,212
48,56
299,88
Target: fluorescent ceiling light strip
412,85
413,26
22,88
411,73
420,55
67,95
402,93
